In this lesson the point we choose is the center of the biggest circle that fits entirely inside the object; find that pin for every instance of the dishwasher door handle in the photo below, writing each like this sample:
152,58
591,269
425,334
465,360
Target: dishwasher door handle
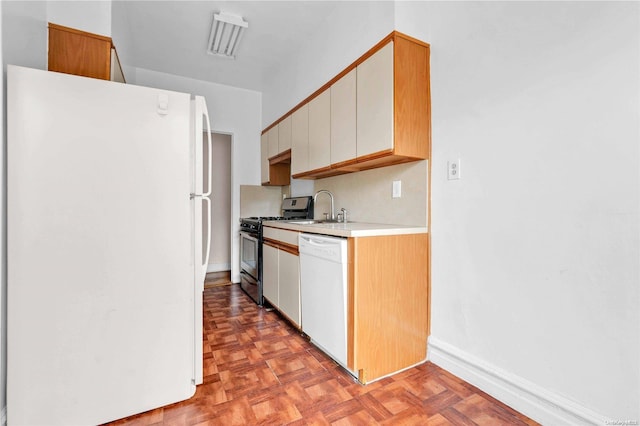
332,249
319,242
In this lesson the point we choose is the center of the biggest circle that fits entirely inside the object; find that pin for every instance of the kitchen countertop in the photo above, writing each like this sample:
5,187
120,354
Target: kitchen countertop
349,229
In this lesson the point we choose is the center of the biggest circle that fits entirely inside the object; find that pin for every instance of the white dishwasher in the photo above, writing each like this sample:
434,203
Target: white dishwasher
323,293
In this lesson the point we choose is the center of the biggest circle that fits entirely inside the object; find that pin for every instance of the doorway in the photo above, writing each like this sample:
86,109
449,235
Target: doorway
219,267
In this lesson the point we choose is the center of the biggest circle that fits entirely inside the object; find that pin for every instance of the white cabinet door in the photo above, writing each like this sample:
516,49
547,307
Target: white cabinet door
264,158
270,275
300,140
284,134
320,131
375,102
343,118
273,141
289,290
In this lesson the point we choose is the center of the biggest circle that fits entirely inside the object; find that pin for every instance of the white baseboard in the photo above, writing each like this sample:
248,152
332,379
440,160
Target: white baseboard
3,416
528,398
217,267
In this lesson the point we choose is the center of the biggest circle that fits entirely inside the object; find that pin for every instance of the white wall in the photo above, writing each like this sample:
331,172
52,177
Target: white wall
256,200
536,249
91,16
233,111
24,28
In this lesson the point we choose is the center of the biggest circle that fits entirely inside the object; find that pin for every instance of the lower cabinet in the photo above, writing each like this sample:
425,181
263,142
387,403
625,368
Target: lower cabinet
387,297
388,304
281,272
289,285
270,271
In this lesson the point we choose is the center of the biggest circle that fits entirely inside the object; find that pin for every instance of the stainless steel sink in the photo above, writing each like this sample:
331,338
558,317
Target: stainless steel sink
304,221
311,221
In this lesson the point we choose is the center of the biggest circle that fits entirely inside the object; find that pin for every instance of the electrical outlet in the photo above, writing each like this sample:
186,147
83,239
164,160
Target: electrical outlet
453,169
396,190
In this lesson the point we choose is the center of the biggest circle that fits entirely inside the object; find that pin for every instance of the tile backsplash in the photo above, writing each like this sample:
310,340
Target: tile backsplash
367,195
256,200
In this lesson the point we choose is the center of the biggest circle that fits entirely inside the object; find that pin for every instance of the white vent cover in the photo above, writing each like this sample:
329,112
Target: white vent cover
226,32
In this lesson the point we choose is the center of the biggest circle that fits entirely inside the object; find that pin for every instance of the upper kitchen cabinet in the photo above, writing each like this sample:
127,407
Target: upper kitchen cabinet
276,163
374,113
393,97
273,135
300,140
343,119
264,159
374,105
284,134
320,133
78,52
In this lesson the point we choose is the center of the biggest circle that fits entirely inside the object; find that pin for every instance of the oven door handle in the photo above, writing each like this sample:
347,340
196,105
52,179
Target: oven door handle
248,236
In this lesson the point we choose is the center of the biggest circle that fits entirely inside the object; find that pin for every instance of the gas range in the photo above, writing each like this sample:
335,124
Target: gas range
254,223
251,242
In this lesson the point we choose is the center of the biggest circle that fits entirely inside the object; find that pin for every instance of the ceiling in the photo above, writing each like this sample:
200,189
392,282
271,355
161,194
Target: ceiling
172,36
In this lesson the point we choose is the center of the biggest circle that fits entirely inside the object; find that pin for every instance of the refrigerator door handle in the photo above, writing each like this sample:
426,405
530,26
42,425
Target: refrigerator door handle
205,260
205,114
206,196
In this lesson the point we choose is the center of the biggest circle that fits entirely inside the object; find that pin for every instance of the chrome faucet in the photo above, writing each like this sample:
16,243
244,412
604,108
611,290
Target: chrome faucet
344,215
324,191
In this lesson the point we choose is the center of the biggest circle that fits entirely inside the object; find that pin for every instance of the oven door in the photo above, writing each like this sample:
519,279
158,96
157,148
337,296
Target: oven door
251,286
249,254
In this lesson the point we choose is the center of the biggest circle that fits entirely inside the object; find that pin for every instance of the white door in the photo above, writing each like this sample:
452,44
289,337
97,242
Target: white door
100,282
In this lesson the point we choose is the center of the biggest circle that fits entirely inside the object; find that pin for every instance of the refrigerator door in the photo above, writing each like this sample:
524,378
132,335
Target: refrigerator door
100,270
201,193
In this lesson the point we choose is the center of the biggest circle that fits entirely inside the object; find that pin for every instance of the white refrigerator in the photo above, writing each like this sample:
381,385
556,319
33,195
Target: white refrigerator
106,254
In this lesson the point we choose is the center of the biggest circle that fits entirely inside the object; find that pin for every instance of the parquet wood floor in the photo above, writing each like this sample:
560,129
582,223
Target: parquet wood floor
216,279
258,370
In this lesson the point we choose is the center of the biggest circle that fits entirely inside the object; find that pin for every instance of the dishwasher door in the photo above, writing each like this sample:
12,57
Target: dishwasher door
323,293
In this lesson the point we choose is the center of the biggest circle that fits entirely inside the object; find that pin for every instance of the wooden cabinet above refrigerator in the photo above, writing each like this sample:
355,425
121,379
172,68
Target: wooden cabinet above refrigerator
72,51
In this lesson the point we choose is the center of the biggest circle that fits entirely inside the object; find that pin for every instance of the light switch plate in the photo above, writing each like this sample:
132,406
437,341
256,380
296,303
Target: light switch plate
396,191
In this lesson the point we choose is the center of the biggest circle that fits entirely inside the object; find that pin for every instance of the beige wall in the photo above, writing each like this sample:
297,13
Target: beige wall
220,258
367,195
256,200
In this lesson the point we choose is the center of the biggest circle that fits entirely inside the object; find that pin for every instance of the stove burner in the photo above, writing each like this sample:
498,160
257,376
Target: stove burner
262,218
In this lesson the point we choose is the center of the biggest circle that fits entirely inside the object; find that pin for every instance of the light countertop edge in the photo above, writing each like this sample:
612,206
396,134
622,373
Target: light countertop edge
349,229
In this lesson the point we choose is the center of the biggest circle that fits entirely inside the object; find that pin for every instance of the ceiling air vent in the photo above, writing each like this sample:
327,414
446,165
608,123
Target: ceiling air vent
226,32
